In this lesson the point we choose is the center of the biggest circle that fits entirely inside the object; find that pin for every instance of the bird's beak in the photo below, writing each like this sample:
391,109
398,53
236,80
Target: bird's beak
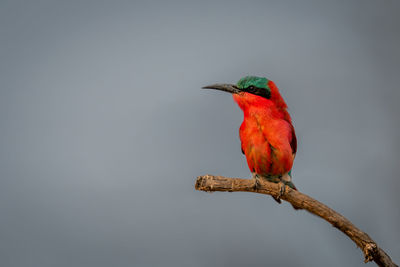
230,88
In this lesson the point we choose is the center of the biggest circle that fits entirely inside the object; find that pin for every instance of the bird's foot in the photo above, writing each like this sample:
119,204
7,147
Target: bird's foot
273,179
281,192
256,182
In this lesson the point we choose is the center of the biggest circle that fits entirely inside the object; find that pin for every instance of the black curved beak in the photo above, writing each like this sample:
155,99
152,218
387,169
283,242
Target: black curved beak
230,88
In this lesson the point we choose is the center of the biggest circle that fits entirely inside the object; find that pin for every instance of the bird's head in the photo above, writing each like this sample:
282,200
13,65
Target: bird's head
251,91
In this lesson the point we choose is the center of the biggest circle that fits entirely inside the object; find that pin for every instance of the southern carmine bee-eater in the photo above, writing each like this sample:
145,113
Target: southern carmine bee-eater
267,135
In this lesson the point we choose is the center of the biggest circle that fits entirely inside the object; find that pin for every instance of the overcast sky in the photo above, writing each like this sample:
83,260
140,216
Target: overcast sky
104,128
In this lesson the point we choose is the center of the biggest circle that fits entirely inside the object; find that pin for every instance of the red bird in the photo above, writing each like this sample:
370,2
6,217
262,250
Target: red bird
267,134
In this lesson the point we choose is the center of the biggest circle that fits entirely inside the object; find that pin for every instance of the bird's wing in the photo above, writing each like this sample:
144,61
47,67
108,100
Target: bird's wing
293,140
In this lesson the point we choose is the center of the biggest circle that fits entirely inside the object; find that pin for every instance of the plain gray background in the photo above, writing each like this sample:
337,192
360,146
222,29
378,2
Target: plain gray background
104,128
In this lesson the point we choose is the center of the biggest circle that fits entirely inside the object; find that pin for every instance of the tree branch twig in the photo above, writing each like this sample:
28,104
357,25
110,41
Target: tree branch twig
372,252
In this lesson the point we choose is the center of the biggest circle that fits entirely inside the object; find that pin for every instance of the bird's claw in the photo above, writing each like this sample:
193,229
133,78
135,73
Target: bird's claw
256,183
281,192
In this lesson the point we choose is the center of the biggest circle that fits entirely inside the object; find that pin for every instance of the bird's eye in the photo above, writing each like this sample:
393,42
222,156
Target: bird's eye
251,89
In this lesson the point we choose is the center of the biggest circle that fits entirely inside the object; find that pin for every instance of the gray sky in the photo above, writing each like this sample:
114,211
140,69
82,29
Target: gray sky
104,128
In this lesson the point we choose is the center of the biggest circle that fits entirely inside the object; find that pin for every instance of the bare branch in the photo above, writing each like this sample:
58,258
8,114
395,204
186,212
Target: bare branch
372,252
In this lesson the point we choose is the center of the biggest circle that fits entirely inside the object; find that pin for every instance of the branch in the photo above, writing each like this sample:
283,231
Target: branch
372,252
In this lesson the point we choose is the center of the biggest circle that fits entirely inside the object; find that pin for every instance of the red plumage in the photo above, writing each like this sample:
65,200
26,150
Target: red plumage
267,134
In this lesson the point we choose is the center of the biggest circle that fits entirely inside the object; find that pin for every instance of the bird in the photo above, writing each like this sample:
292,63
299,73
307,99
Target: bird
268,139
